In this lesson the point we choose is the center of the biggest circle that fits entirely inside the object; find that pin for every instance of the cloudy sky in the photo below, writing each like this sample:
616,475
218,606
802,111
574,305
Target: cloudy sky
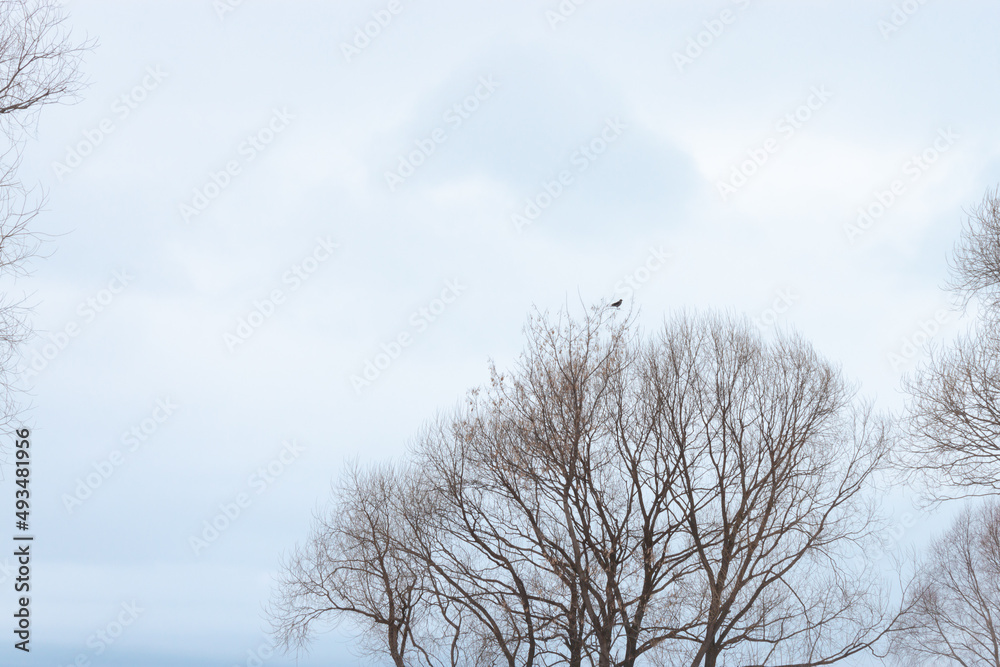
256,201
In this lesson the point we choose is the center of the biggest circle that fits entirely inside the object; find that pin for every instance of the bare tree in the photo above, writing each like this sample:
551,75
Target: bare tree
975,264
39,65
697,499
776,460
555,478
955,417
39,62
353,567
955,614
954,407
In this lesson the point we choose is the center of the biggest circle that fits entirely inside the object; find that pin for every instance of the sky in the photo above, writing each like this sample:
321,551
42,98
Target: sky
285,234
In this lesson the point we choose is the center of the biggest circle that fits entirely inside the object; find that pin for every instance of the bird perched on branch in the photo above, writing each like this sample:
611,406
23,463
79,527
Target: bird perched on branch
616,303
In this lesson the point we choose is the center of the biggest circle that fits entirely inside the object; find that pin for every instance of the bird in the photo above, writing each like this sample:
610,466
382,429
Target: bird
616,303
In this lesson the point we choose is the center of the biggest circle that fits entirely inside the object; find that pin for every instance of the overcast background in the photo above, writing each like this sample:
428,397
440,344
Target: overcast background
781,248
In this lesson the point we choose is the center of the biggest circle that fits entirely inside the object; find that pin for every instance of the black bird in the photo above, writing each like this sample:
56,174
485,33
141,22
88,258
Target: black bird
616,303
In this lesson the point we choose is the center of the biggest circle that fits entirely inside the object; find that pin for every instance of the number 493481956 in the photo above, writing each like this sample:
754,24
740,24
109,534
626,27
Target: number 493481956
23,474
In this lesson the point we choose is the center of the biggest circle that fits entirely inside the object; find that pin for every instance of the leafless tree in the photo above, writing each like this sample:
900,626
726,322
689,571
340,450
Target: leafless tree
955,614
39,65
555,478
776,459
698,499
955,417
39,61
353,567
954,407
975,264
